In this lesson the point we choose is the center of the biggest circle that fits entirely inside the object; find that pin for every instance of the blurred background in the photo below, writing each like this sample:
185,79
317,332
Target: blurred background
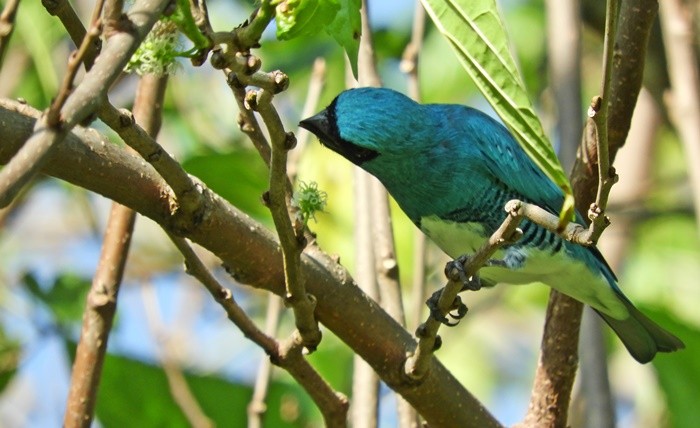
168,328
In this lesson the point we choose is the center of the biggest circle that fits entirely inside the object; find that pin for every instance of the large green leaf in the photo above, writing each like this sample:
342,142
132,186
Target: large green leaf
475,31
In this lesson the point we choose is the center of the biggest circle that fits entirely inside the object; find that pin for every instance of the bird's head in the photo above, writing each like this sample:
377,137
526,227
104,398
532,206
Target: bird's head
366,123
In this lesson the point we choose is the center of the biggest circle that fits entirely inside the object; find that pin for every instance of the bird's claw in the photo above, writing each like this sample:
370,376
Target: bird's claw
454,270
456,311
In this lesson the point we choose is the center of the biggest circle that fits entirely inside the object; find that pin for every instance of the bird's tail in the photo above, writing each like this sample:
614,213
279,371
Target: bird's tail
642,337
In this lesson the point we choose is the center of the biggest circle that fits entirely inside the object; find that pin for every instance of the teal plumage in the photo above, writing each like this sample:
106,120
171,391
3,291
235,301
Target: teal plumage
452,169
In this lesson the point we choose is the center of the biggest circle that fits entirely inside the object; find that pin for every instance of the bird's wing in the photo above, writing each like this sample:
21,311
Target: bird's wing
507,163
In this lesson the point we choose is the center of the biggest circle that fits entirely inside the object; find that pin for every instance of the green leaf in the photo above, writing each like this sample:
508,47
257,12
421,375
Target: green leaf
185,23
240,177
304,17
475,31
339,18
346,29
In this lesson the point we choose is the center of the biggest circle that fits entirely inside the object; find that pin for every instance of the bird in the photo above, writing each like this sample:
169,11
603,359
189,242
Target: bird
451,169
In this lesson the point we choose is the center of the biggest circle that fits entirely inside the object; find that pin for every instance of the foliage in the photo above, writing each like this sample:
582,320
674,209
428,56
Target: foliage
339,18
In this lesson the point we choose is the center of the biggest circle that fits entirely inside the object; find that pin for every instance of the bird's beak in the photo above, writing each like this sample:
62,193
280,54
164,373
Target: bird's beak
319,126
327,133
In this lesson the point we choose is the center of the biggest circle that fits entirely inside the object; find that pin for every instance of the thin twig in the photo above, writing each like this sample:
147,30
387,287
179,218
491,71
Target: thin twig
71,22
53,116
82,102
287,355
7,26
74,60
635,21
291,235
257,407
247,121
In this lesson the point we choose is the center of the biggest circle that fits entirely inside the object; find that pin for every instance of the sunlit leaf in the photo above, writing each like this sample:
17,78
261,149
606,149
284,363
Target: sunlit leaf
475,31
304,17
240,177
346,29
339,18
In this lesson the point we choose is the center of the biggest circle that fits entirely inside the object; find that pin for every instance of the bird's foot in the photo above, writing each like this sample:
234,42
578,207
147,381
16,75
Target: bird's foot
456,311
454,271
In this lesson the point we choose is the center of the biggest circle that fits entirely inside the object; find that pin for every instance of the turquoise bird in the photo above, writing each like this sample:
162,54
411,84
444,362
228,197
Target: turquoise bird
452,169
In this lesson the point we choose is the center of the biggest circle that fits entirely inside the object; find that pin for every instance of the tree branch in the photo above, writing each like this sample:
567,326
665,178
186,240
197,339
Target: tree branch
333,405
188,199
558,359
84,100
291,235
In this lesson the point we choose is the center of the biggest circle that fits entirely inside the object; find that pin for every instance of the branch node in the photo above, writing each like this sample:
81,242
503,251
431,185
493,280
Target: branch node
251,63
265,198
126,118
290,141
595,106
218,60
251,100
438,343
281,81
233,81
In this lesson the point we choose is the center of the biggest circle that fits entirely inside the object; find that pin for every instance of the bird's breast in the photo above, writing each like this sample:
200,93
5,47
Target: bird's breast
454,238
